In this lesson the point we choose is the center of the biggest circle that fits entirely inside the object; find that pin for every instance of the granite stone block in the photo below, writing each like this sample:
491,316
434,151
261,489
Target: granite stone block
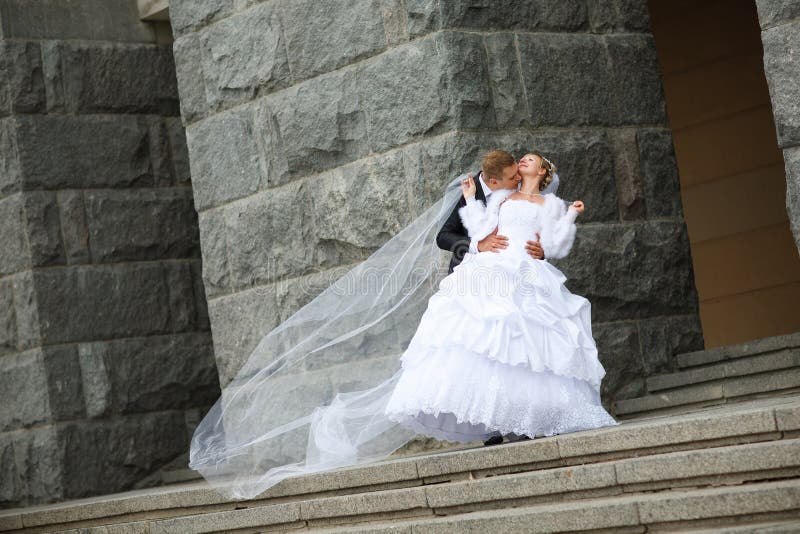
781,46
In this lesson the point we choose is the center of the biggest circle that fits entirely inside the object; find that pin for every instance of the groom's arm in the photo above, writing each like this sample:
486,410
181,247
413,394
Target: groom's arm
453,236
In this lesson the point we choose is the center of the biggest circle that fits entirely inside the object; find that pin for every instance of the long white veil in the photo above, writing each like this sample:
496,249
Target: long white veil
311,396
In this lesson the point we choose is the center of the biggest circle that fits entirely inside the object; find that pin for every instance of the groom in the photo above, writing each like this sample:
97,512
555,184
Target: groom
498,171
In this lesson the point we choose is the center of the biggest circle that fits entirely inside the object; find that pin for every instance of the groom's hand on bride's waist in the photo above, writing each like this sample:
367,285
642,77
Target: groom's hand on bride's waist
493,242
535,249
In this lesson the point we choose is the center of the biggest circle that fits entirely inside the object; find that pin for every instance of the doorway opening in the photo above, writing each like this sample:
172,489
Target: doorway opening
732,175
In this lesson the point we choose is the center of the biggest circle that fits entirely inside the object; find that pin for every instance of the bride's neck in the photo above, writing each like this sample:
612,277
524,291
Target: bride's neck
529,186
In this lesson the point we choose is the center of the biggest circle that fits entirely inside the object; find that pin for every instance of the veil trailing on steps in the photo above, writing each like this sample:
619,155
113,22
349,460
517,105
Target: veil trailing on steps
311,396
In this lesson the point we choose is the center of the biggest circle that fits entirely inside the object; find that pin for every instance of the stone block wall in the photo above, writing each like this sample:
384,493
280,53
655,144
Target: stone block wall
317,129
780,25
106,358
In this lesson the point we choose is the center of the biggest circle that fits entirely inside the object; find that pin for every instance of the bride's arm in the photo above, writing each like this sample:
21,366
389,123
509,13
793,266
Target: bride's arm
480,220
473,214
558,229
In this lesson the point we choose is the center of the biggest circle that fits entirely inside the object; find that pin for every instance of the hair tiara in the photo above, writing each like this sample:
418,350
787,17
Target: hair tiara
550,163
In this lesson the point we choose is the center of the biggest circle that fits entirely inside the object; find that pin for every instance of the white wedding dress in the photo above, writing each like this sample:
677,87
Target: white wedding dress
503,346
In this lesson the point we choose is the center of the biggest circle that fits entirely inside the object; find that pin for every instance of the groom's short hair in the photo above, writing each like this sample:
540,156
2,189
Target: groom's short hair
495,161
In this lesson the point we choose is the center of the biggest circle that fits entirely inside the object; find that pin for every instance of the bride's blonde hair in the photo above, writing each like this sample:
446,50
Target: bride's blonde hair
547,165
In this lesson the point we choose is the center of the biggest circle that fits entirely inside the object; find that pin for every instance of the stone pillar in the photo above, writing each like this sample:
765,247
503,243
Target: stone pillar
780,25
105,351
317,129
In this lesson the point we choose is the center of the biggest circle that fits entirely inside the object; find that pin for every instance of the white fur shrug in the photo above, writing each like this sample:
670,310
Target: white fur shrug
557,232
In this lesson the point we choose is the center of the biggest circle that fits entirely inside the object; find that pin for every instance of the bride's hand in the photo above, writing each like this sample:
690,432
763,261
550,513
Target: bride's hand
468,187
577,206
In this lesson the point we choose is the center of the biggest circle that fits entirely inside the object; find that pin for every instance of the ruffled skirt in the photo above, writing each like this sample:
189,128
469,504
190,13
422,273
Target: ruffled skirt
503,347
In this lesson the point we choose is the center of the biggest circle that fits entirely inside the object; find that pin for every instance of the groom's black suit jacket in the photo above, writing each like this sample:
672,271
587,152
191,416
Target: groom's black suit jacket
453,237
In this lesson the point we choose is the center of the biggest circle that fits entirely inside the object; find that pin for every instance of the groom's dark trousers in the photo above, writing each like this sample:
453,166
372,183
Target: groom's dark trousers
453,237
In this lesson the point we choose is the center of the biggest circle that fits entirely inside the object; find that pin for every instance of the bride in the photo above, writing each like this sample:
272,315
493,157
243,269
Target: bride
502,348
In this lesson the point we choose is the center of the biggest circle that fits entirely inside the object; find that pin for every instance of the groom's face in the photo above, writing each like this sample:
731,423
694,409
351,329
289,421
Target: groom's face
508,179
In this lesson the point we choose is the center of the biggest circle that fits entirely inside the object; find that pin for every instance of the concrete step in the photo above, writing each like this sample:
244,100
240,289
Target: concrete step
773,527
732,466
178,473
744,366
727,445
717,509
763,367
742,350
725,391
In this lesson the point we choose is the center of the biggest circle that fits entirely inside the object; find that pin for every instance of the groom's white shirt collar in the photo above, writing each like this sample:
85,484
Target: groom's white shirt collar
486,190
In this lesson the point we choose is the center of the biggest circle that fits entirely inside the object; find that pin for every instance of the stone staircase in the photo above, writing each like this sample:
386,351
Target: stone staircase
730,467
765,367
